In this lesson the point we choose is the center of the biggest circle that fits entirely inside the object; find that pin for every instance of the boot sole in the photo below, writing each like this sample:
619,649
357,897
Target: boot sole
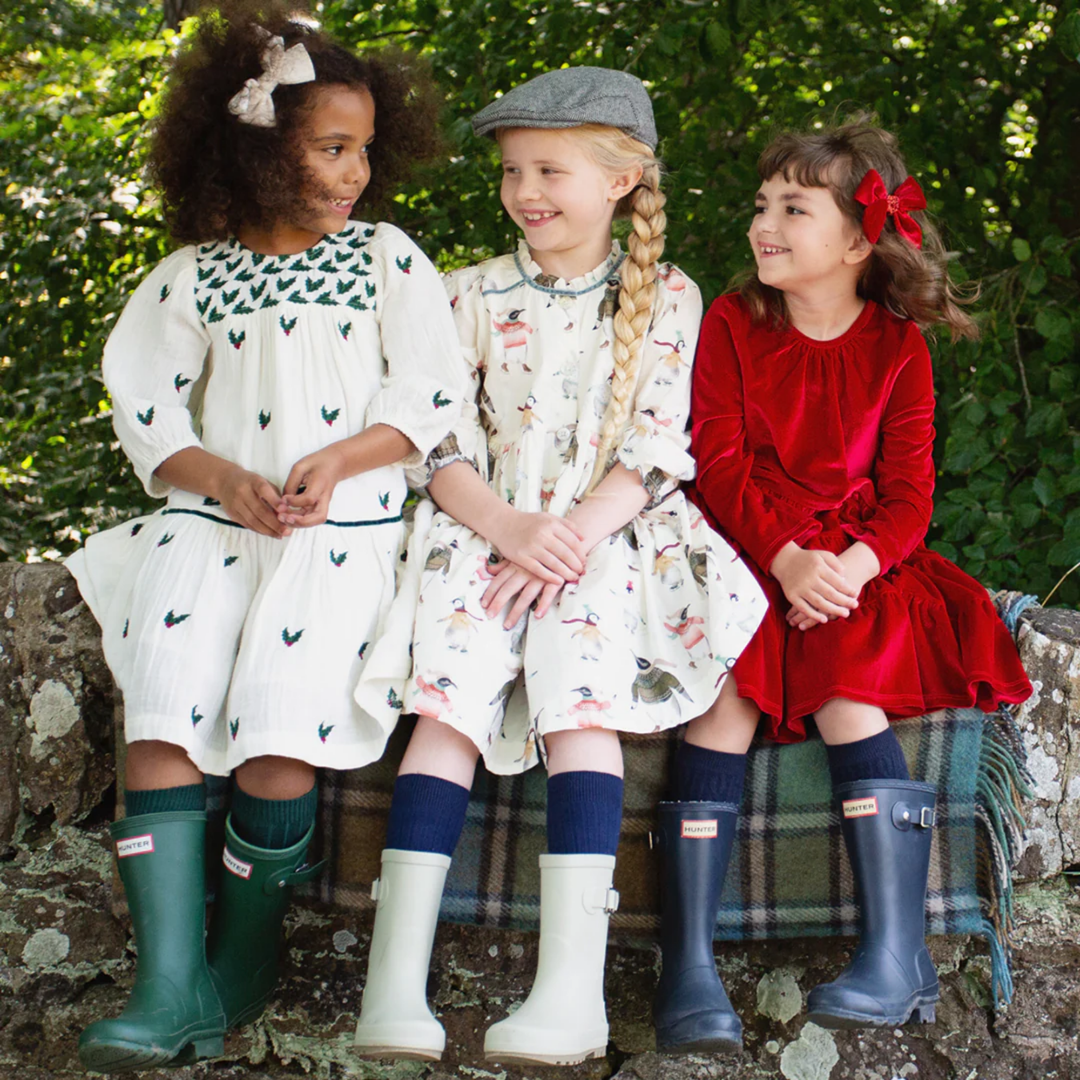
522,1057
701,1046
398,1053
132,1057
919,1014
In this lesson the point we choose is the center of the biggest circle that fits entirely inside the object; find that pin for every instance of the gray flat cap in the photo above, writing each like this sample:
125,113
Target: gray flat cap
570,97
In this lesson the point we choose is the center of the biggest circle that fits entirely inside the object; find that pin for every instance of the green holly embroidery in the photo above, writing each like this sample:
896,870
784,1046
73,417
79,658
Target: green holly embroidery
180,382
196,716
393,700
257,290
314,284
344,286
127,624
244,275
203,304
264,419
172,620
284,283
314,253
229,297
344,329
363,649
296,298
356,302
216,316
330,415
324,730
272,269
231,266
204,274
341,256
369,288
221,255
326,299
384,499
291,639
369,232
164,294
327,267
230,559
337,560
146,418
256,259
165,539
210,502
217,283
439,401
288,325
136,528
234,728
268,302
242,309
404,265
236,340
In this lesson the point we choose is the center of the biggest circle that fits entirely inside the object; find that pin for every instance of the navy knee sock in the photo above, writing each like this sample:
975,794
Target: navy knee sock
159,800
703,775
273,824
584,813
876,758
427,813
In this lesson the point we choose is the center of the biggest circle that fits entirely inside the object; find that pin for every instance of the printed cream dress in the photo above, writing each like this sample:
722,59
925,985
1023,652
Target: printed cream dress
226,642
644,641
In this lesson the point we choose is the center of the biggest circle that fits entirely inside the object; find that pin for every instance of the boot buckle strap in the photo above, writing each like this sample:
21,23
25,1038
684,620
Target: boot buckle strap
286,878
601,900
927,817
377,889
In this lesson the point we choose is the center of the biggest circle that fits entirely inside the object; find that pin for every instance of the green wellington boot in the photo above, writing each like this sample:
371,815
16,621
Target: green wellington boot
173,1015
245,929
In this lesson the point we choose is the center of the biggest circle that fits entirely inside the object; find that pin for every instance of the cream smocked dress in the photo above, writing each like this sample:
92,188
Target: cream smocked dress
226,642
645,639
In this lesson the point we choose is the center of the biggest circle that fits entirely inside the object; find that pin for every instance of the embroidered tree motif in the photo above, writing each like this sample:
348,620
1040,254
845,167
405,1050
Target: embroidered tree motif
146,418
337,560
172,620
330,415
180,382
439,401
264,419
291,639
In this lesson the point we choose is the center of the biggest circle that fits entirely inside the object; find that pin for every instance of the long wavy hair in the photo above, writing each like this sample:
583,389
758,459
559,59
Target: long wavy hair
910,282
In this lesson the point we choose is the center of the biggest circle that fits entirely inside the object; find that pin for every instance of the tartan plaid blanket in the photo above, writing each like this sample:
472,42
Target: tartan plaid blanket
789,874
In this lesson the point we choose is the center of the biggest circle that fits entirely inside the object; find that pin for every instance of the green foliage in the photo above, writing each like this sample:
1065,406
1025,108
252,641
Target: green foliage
981,93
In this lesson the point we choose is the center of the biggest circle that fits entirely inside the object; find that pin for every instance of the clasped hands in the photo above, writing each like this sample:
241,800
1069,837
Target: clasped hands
822,586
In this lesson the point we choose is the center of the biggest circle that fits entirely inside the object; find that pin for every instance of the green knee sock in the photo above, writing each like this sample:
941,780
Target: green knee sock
158,800
273,824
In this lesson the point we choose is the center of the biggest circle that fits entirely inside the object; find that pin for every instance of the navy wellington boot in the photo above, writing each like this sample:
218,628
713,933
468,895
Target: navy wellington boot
887,826
692,1012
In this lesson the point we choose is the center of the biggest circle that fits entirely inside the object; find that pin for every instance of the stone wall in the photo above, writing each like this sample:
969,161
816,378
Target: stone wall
65,958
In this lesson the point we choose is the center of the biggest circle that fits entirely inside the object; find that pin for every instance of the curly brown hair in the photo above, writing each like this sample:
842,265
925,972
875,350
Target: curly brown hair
218,175
908,281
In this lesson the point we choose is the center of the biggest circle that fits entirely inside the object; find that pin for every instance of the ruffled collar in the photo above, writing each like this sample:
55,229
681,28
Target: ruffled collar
597,278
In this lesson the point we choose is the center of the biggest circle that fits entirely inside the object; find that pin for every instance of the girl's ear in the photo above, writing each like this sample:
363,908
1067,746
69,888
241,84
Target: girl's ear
859,249
623,183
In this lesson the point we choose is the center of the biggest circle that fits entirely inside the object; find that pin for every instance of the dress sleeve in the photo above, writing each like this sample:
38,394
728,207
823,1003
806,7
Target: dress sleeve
423,388
465,440
904,468
656,442
153,360
761,524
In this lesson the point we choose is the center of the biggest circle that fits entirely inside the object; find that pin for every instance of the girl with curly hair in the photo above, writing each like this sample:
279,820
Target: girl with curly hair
813,412
567,590
274,379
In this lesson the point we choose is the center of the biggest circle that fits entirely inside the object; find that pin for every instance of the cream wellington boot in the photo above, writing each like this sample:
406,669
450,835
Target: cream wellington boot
563,1020
395,1021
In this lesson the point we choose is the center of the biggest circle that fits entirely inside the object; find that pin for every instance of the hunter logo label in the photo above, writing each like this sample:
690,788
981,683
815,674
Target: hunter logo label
699,830
235,865
860,807
135,845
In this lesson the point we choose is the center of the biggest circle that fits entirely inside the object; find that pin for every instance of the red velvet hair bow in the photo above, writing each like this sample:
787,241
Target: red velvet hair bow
873,194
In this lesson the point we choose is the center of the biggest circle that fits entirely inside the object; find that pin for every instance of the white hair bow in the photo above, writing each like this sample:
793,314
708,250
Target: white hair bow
281,67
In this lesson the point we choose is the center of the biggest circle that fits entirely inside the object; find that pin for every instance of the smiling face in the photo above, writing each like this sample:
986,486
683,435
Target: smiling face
560,198
803,243
336,135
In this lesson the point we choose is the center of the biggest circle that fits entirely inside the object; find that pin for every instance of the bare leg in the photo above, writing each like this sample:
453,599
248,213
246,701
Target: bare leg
584,750
728,725
843,721
437,749
271,777
152,764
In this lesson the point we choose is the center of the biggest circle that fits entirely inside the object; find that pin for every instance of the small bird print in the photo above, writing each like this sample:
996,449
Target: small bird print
654,685
146,418
264,419
179,382
330,415
172,619
196,716
393,700
434,700
336,559
234,728
404,265
291,639
324,730
439,401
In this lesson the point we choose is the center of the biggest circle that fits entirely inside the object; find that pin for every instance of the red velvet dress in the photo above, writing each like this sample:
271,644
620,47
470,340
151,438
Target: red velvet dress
826,443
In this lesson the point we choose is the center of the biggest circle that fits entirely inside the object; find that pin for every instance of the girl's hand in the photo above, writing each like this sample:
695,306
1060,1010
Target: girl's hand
814,582
545,545
860,565
251,501
511,580
309,487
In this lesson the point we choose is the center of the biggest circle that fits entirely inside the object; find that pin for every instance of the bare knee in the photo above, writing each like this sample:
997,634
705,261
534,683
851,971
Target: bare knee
841,720
584,750
728,725
272,777
437,749
151,764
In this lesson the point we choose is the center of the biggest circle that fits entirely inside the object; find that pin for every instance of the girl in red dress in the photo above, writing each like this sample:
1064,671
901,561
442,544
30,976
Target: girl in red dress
812,426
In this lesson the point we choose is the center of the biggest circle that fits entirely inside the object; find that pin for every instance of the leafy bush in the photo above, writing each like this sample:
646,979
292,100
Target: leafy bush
981,92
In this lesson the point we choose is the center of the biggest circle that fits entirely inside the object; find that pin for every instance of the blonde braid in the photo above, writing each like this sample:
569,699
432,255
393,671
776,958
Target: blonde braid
633,317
